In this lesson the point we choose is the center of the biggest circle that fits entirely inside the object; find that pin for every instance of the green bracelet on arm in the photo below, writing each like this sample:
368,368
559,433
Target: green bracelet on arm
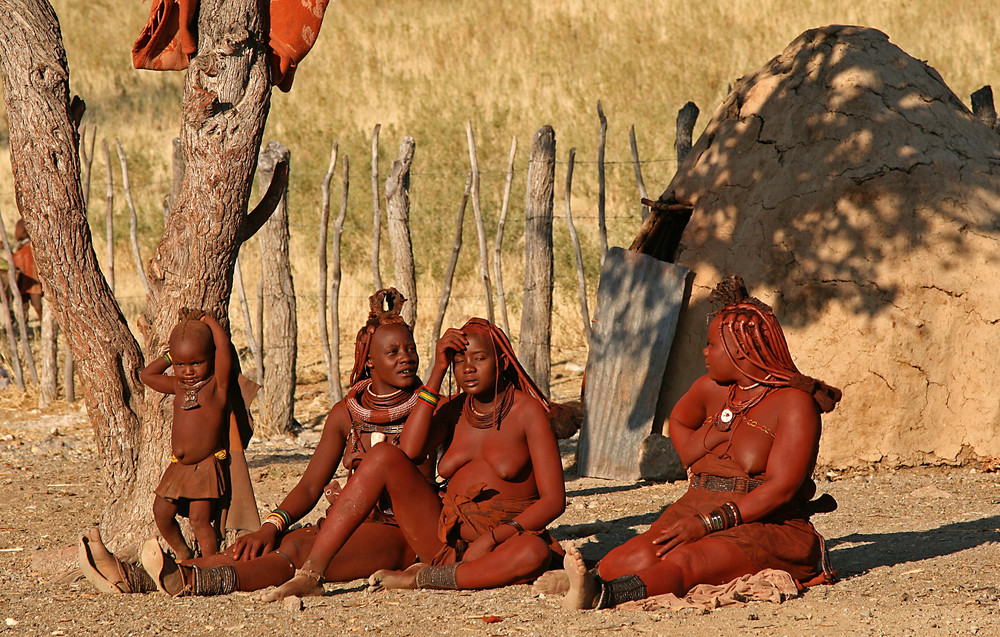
166,355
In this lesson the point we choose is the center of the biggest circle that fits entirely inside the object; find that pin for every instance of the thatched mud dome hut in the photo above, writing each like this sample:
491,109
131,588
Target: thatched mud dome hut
858,196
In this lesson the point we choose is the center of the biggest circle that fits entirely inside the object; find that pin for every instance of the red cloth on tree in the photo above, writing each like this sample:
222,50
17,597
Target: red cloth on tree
169,39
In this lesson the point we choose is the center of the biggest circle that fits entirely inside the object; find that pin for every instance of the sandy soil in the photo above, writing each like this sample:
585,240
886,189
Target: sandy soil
918,551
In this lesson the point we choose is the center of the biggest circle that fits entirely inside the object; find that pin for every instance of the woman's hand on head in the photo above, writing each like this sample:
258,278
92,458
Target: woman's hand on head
452,342
682,531
251,545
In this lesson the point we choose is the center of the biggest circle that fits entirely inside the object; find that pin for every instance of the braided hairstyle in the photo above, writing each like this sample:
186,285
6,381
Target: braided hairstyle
385,307
508,367
753,339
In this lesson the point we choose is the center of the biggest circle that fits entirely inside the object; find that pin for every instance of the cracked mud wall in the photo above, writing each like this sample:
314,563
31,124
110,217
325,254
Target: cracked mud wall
859,197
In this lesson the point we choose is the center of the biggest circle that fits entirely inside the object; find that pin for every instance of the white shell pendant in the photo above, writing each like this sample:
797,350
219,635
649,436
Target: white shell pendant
726,416
378,436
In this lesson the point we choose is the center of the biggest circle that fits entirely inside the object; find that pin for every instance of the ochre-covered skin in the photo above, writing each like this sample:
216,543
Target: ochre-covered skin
516,461
771,434
201,360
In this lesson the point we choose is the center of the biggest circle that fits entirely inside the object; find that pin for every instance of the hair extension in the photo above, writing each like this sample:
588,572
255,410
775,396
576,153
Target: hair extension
756,345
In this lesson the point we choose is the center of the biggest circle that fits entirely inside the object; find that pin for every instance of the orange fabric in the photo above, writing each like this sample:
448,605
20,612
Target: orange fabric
169,39
294,27
167,42
27,273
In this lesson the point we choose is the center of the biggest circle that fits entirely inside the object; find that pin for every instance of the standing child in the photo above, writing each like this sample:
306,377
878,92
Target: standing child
195,481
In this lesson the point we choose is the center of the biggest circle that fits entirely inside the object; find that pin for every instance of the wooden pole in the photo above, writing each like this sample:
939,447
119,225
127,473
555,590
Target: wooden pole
324,223
581,278
12,293
983,108
497,252
376,212
449,273
602,227
686,119
133,223
109,218
259,333
22,320
536,316
276,407
241,293
397,213
484,258
338,231
638,170
49,387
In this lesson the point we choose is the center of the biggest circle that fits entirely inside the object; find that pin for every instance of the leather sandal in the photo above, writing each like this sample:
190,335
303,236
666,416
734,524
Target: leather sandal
102,569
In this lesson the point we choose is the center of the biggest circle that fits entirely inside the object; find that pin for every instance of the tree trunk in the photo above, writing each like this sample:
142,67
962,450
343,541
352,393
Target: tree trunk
397,212
280,335
536,316
225,104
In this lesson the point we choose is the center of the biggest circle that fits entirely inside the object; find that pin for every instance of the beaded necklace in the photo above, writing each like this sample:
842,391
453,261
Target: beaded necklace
379,415
724,420
501,407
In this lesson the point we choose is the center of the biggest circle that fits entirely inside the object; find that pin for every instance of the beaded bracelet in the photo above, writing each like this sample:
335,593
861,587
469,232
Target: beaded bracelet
279,518
166,355
428,395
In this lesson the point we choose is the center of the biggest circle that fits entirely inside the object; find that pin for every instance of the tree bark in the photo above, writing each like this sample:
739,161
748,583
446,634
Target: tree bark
536,316
225,105
397,212
280,330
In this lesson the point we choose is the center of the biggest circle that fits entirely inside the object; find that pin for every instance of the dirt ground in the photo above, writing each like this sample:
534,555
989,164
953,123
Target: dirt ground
917,549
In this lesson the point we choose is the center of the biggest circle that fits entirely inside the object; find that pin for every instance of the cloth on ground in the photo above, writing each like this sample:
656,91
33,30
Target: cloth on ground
769,585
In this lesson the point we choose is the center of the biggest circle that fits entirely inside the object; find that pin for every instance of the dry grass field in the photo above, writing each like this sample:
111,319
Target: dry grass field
424,68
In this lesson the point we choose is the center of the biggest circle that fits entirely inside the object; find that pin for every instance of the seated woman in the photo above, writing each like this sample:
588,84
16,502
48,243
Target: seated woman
503,472
384,382
748,431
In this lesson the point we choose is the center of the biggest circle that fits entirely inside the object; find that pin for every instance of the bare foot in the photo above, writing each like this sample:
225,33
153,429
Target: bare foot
583,588
162,568
551,583
394,579
298,586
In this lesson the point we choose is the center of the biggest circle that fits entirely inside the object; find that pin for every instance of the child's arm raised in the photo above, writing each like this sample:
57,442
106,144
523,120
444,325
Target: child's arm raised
223,357
152,375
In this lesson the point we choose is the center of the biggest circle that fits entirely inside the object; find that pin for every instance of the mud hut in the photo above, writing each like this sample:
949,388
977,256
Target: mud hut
859,197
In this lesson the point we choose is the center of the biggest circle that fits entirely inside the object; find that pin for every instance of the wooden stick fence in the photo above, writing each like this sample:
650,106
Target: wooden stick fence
332,374
498,251
376,212
484,259
581,277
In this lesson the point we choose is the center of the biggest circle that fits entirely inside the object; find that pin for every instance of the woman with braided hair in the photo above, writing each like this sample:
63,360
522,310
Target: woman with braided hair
748,431
383,385
503,472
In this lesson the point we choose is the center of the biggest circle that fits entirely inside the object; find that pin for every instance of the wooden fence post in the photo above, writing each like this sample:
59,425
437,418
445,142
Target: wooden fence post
536,316
280,331
252,342
484,259
449,274
49,387
686,118
497,255
581,278
376,212
602,226
109,218
133,223
338,231
22,320
983,108
324,223
634,147
397,213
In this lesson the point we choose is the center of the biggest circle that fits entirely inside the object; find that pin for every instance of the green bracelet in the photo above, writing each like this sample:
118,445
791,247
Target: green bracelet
166,355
